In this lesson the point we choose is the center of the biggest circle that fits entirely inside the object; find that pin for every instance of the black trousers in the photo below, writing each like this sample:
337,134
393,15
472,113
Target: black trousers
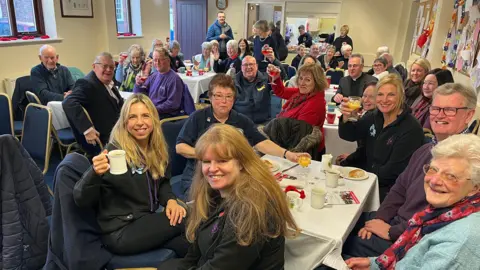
149,232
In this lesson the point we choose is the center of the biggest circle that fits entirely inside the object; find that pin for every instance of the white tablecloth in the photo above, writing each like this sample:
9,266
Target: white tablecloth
59,119
197,84
125,95
329,93
333,143
324,230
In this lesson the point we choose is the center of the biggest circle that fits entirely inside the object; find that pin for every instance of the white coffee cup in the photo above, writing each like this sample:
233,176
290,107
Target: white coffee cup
332,178
317,199
327,162
294,200
118,162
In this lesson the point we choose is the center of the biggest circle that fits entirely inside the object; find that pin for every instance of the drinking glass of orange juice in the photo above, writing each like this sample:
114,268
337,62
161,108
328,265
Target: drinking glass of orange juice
304,161
354,103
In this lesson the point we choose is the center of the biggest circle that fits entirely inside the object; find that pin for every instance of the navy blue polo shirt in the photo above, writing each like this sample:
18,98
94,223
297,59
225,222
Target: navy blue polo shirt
199,122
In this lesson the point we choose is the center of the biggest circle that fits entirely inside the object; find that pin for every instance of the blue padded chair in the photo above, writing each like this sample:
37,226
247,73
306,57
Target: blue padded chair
32,98
65,139
76,73
6,115
336,75
275,105
291,71
36,133
171,128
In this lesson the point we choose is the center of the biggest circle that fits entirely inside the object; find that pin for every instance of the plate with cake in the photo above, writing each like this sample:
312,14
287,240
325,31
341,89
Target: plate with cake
352,173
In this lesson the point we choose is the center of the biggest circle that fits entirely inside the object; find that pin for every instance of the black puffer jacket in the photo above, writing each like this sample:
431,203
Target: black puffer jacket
25,207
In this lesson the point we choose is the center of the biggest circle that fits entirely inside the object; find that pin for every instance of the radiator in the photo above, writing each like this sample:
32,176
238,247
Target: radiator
9,85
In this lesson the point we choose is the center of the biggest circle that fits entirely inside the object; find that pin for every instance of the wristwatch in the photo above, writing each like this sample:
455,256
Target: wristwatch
285,154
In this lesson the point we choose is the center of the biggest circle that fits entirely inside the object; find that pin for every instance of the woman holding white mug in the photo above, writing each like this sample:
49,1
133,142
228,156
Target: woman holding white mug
127,200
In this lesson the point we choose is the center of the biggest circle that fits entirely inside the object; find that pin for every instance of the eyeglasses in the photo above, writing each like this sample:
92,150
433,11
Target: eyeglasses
220,97
249,65
353,66
448,111
106,67
446,177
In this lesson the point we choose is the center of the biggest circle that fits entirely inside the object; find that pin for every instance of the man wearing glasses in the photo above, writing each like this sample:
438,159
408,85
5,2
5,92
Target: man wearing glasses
222,95
452,109
353,84
253,91
96,93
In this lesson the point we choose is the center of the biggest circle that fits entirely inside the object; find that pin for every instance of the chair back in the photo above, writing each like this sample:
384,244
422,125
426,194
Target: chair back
36,133
171,128
275,105
6,115
32,98
336,75
89,149
291,71
19,100
76,73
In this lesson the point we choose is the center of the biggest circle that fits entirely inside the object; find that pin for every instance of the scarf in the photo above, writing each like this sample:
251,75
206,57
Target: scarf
420,111
296,101
412,91
129,74
204,63
425,222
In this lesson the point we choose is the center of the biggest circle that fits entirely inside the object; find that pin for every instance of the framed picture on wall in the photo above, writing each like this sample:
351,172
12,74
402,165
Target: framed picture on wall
76,8
222,4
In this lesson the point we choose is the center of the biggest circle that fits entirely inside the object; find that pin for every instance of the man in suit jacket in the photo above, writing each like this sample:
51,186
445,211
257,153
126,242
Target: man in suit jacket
353,85
98,95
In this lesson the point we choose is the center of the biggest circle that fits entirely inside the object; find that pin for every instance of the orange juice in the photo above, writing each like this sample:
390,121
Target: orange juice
354,104
304,161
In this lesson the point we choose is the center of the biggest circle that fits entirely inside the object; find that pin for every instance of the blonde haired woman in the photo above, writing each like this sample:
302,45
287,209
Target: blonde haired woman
413,85
240,217
126,204
343,39
390,134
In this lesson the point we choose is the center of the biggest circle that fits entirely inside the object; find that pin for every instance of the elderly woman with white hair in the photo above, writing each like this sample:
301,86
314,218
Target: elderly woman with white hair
204,60
175,59
232,63
445,235
128,68
156,44
346,52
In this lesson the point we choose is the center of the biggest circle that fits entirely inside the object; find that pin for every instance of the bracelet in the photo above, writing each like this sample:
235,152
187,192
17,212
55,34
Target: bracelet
285,154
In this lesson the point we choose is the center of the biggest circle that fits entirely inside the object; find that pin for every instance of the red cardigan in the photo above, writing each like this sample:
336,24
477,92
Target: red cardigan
312,111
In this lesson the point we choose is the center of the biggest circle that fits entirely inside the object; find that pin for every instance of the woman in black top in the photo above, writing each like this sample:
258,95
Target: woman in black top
391,133
413,85
328,60
243,49
126,204
342,40
240,217
262,39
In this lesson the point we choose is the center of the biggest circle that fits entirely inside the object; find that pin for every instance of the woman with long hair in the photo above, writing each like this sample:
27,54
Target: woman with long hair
126,204
390,133
240,217
243,48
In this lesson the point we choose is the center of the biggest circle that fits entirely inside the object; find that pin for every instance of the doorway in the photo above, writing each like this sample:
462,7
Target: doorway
190,25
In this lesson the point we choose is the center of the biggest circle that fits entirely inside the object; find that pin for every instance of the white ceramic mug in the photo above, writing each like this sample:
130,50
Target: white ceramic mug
332,178
327,162
294,200
118,162
317,199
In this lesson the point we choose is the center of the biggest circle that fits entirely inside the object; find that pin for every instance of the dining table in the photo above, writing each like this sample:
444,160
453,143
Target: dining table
197,84
323,231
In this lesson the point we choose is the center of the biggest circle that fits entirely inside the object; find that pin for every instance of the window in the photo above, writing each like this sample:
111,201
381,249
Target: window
123,16
21,18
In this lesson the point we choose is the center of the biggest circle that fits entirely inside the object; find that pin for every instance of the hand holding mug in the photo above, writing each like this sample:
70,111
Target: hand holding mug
100,163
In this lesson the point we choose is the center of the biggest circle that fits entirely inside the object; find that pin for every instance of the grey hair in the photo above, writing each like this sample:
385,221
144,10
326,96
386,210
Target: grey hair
206,45
331,47
153,43
46,47
105,55
464,146
451,88
388,57
175,45
345,47
232,44
261,25
382,61
381,50
357,55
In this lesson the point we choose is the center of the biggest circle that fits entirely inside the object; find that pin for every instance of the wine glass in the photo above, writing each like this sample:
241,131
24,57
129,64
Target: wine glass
265,51
354,103
273,71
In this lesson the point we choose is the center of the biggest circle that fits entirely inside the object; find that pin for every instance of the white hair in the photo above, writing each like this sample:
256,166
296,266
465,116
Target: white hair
464,146
345,47
381,50
206,45
46,47
232,44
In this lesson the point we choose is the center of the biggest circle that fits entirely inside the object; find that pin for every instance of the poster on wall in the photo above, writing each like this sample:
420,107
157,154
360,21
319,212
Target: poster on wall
76,8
